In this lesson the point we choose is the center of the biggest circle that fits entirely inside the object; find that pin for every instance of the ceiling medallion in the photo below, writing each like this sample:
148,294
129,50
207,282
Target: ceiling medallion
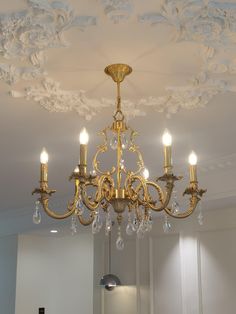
119,190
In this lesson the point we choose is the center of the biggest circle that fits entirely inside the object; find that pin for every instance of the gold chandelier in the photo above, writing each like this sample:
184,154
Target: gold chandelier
119,190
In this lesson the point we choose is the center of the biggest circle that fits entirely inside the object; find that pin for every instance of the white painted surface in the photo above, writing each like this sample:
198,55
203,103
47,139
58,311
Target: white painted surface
190,271
55,273
8,256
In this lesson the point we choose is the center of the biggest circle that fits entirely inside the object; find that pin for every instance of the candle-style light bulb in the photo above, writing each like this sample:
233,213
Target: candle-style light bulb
84,137
145,173
167,138
167,141
192,159
43,167
44,157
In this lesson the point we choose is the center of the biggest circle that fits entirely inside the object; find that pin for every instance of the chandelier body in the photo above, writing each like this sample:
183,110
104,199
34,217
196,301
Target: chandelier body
119,188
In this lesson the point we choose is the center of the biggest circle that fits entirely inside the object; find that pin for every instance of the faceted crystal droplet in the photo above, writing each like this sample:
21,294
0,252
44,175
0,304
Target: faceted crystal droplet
73,227
130,229
97,224
140,233
175,207
149,223
200,218
36,217
120,243
124,141
166,225
108,225
114,142
135,224
80,206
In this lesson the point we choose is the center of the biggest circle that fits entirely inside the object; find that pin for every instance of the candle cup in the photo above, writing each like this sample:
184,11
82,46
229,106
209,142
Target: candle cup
43,176
167,159
193,173
83,158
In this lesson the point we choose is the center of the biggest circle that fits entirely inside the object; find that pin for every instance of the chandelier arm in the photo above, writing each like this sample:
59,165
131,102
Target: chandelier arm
86,222
101,150
165,196
194,199
135,149
134,193
196,195
103,191
44,201
91,205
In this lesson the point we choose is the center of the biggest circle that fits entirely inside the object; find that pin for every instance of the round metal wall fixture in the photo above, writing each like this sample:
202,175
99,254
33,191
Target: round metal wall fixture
110,281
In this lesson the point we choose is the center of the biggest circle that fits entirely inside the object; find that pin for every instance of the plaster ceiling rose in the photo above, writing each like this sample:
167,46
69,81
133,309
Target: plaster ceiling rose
29,36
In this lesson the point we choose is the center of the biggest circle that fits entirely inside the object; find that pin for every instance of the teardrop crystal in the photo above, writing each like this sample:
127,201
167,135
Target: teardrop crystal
175,207
73,226
124,141
200,218
130,229
36,217
96,225
120,243
166,225
114,142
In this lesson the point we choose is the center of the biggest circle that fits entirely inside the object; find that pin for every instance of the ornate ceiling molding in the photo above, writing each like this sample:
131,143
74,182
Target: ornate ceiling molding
117,10
208,22
28,34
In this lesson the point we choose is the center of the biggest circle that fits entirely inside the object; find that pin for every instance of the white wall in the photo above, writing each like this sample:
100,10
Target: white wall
192,270
8,256
55,273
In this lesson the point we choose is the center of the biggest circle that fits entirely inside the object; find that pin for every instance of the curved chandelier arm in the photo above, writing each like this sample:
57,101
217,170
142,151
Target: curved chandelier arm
45,193
193,204
105,187
163,197
44,201
135,149
133,192
101,150
196,195
86,222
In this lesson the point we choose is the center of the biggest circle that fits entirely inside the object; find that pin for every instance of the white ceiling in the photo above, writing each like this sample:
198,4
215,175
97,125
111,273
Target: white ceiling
194,65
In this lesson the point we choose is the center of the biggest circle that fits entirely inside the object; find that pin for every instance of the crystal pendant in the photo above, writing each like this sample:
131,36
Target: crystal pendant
130,229
114,142
200,215
74,225
135,224
149,223
97,224
120,242
200,218
80,206
166,225
175,207
108,225
124,142
37,214
140,232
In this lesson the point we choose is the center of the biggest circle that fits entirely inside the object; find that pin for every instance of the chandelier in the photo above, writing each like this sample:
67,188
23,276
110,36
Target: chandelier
119,191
